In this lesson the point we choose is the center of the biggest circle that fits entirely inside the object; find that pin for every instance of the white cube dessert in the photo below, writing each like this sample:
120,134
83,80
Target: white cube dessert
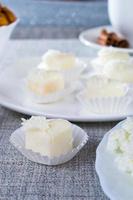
42,82
120,70
106,55
50,138
99,86
56,60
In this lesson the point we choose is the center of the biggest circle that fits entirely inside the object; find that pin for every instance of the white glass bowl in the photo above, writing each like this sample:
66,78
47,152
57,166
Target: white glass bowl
5,33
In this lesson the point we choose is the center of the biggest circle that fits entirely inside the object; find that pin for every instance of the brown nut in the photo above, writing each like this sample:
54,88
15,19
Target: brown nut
3,20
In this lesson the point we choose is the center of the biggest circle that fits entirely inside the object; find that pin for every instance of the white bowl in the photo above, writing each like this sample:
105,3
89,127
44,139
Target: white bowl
121,16
5,33
115,184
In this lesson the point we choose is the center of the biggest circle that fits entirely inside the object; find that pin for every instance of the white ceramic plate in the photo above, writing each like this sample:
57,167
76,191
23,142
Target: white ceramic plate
116,184
12,96
89,37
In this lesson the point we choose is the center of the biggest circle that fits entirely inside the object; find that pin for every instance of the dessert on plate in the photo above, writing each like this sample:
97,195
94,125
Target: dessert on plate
56,60
70,66
42,82
121,70
103,95
106,55
102,87
48,86
114,64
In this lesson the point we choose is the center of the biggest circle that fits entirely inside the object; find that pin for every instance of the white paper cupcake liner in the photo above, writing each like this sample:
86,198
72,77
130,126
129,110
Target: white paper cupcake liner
73,73
80,138
106,105
56,96
98,68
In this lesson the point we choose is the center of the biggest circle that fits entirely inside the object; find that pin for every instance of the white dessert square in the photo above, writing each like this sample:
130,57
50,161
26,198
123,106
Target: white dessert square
50,138
56,60
99,86
43,82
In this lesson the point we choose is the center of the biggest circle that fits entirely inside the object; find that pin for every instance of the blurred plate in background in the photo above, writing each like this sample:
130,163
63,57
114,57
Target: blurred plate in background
89,38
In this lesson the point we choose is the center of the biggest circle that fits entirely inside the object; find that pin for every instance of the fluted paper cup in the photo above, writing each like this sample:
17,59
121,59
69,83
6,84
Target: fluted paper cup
107,104
80,138
55,96
98,68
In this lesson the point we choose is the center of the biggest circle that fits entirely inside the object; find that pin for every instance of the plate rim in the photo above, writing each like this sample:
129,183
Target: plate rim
28,111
